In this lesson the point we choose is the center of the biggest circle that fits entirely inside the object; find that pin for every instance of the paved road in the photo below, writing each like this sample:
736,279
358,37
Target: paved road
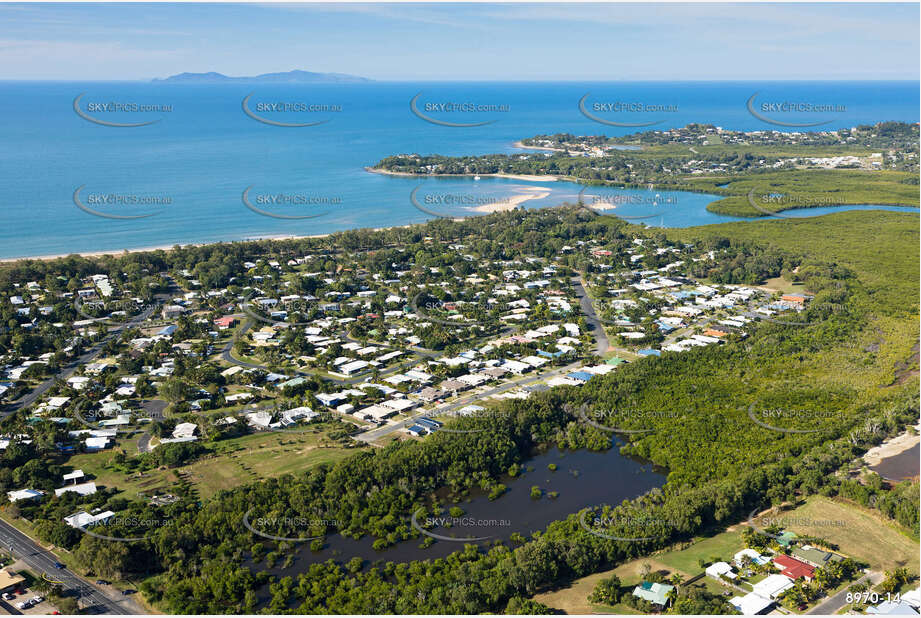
839,600
42,561
381,432
585,302
144,443
68,370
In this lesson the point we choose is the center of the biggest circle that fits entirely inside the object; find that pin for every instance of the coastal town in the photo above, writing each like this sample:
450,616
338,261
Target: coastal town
159,388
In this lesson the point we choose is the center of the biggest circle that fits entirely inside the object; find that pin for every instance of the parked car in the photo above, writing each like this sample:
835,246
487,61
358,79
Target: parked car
59,565
24,605
8,597
102,582
38,599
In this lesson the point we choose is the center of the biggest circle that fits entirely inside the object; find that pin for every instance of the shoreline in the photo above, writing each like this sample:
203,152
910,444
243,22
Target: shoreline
118,252
531,178
518,144
892,447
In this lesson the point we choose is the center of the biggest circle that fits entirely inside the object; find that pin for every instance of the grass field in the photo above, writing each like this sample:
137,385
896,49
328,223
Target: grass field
722,546
238,460
573,599
785,286
864,535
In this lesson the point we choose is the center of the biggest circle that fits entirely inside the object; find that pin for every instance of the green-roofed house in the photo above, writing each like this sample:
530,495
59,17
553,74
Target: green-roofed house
816,557
785,538
653,592
615,360
293,382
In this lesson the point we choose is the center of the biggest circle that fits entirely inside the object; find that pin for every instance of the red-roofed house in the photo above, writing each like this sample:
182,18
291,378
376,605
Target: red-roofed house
793,568
225,322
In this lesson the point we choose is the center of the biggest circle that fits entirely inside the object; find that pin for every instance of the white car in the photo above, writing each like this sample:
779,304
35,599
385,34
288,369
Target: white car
37,599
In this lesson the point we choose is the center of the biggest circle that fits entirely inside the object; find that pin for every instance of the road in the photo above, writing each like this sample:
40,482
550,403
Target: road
42,561
68,370
585,302
381,432
839,600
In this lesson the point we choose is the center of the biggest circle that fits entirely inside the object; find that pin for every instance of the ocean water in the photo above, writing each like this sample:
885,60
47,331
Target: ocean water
189,169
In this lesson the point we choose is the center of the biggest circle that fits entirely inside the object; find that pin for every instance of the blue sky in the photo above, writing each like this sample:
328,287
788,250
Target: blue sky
464,41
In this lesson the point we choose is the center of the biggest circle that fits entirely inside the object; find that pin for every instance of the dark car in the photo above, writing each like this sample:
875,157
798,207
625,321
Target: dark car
59,565
127,592
102,582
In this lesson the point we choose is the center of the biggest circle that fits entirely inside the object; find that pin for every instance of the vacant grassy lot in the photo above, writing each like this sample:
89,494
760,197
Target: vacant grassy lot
237,461
573,599
722,546
864,535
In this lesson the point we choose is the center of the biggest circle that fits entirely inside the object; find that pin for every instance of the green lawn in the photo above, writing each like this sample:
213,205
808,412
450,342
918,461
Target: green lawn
237,461
863,535
723,545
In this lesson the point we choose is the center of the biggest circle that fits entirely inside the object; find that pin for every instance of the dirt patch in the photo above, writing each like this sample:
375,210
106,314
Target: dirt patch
904,371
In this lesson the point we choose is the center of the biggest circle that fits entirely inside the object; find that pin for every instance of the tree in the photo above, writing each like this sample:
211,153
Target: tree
102,557
606,592
175,390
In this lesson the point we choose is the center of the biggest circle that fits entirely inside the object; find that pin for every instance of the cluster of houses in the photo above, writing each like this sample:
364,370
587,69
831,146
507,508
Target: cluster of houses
667,305
800,562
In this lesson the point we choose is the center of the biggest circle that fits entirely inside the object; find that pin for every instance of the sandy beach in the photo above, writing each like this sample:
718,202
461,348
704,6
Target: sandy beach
522,146
116,252
533,193
597,205
88,254
531,178
892,447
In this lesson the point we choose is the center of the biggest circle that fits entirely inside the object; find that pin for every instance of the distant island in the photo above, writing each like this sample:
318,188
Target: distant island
288,77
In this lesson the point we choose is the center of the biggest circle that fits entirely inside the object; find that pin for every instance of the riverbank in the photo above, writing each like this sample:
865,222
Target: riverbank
893,446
